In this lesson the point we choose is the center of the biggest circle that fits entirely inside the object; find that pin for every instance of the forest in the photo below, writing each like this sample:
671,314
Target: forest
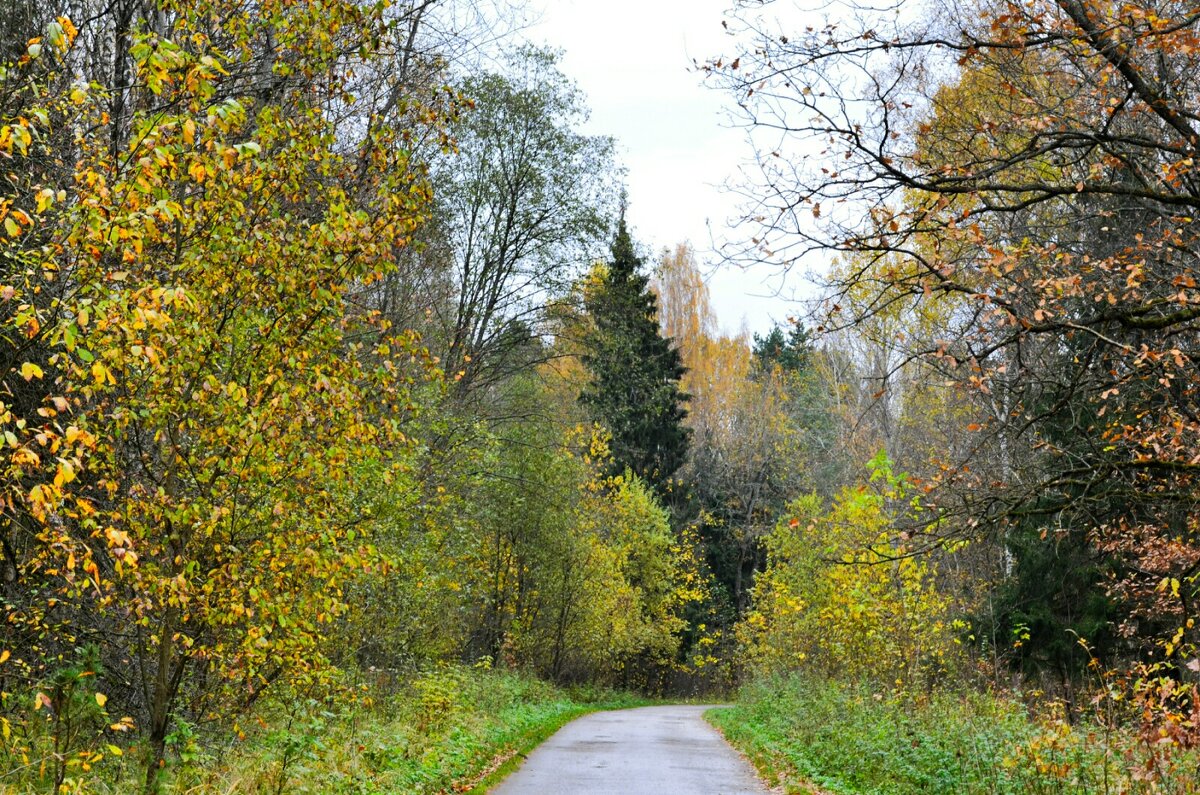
353,442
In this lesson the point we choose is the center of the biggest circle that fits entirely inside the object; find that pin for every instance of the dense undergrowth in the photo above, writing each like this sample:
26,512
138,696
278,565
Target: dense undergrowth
448,730
814,735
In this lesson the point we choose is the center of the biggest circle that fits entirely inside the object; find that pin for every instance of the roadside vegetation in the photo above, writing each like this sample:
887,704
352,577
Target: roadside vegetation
810,734
451,729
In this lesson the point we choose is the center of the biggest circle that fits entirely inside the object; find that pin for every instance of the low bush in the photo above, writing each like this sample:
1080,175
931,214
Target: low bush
451,729
818,735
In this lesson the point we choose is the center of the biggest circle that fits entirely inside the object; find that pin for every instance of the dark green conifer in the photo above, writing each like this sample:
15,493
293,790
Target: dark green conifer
634,389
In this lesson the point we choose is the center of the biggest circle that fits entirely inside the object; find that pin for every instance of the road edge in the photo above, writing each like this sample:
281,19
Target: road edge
763,765
505,763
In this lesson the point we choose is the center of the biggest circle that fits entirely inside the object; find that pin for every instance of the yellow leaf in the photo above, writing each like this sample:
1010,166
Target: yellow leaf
189,132
56,36
11,227
30,371
4,655
65,474
101,373
101,699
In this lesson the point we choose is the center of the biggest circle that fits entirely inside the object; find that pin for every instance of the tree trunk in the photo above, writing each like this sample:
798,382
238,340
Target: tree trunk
166,684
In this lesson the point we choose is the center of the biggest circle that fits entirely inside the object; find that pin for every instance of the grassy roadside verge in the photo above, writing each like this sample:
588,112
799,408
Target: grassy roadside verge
519,737
737,731
812,736
448,731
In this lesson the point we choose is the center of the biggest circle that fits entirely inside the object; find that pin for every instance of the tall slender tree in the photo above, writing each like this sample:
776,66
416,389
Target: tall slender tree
634,389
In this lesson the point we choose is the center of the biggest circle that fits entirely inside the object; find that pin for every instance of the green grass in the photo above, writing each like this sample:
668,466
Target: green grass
819,736
451,730
455,732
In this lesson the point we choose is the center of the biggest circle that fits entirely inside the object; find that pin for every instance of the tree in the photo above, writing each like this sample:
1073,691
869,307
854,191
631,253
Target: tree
1031,168
716,366
635,372
193,493
568,571
522,205
744,461
842,599
791,352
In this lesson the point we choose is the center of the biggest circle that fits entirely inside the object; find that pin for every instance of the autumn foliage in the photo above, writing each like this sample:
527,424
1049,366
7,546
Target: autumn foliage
191,395
1009,190
238,476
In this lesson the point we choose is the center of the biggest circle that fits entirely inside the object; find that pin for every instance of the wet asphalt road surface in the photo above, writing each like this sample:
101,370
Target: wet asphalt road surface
647,751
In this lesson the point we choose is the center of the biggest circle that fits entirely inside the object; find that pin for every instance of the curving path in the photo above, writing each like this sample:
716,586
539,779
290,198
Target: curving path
647,751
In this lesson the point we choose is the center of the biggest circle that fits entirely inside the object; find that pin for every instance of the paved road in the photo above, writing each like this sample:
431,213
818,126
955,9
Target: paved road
646,751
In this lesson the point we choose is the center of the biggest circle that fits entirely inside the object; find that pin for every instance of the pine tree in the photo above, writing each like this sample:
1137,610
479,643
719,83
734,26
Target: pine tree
791,351
634,389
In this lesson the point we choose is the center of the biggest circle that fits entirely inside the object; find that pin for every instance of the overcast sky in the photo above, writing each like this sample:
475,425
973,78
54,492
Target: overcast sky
633,59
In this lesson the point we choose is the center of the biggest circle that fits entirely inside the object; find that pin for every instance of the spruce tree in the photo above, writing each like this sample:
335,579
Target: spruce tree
634,389
792,351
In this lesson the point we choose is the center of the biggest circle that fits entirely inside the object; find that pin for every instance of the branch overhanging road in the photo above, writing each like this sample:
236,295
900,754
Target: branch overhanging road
668,750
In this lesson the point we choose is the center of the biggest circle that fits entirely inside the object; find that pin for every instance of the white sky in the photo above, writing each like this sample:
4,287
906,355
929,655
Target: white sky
633,59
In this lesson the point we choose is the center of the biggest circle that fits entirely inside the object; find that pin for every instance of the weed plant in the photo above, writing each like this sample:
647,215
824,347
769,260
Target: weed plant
854,739
445,730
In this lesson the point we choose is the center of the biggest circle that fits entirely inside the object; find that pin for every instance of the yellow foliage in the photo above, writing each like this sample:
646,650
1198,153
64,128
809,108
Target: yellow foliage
196,472
840,596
